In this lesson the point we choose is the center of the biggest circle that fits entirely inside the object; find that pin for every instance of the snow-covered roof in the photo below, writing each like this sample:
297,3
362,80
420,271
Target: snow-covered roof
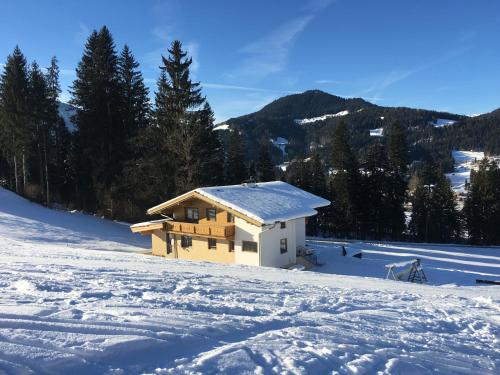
265,202
152,222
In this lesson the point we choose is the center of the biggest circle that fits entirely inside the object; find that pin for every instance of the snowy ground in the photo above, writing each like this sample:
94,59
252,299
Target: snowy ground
450,265
77,298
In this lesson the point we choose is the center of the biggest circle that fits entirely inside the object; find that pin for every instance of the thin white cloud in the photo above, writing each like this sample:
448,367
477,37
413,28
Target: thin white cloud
328,82
269,54
250,102
192,49
222,86
67,72
162,33
378,87
82,34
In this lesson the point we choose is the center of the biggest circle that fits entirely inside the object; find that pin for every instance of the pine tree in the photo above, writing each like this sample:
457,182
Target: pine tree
434,214
210,151
100,134
235,167
375,210
482,204
56,138
420,215
135,109
39,123
15,134
397,153
264,166
298,173
344,186
342,155
318,178
183,118
317,186
397,149
135,113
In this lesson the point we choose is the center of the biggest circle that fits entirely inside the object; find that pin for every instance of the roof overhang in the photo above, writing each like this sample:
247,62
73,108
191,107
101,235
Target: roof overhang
195,195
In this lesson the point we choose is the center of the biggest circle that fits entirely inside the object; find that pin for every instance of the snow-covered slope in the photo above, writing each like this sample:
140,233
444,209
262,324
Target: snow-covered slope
222,127
320,118
379,132
440,122
67,309
66,111
465,161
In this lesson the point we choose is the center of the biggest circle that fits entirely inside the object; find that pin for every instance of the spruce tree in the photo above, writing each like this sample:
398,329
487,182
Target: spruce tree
397,153
265,166
210,149
397,149
40,123
235,167
135,110
56,139
185,123
100,135
376,207
15,132
135,113
482,204
344,186
317,186
434,214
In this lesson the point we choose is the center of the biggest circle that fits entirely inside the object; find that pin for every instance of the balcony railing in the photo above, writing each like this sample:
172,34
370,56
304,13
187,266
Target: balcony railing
205,230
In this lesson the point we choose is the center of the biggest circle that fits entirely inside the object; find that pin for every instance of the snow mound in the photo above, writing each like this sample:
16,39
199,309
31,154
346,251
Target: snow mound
311,120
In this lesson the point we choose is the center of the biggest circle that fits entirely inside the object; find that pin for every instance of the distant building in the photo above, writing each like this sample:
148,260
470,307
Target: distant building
259,224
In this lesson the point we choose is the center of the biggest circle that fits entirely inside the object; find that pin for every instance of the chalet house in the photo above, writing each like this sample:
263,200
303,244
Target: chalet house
259,224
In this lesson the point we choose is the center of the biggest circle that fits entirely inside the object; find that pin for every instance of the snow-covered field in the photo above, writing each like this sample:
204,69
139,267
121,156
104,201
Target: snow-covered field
450,265
78,297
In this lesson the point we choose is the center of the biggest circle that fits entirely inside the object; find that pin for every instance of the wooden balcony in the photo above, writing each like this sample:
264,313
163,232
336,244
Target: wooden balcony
225,231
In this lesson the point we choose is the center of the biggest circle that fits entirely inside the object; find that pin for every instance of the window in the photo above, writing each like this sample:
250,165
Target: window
249,246
231,246
283,224
283,246
211,214
230,217
169,244
186,241
192,214
212,243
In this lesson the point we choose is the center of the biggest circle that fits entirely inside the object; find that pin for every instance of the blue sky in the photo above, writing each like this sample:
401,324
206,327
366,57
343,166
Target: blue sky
434,54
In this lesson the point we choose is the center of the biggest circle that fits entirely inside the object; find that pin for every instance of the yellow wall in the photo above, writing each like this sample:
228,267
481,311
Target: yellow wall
200,251
158,243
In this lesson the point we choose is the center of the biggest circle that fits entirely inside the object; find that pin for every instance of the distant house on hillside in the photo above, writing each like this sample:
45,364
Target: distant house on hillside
258,224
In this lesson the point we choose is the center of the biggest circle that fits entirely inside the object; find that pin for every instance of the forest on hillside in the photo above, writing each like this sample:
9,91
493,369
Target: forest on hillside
128,153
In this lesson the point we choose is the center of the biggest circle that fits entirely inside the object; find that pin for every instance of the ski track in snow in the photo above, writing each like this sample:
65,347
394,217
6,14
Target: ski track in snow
98,306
